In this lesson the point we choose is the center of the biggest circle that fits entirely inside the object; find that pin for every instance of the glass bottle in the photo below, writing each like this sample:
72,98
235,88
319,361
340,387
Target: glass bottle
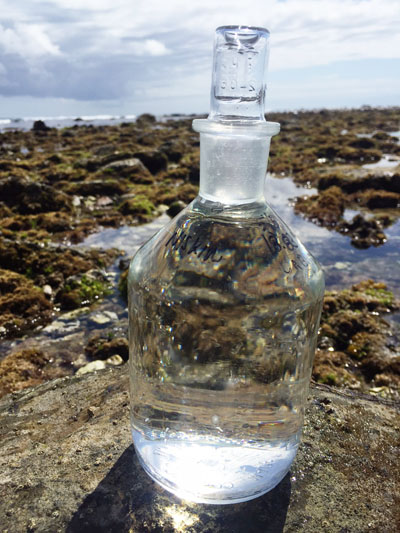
224,308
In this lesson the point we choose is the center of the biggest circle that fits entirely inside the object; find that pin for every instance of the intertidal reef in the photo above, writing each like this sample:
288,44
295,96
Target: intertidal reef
60,308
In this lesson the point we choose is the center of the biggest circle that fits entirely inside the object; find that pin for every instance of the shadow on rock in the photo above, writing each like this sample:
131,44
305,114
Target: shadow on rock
127,500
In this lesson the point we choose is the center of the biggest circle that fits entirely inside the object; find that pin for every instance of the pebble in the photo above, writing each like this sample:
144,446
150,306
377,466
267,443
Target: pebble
91,367
115,360
61,327
103,318
341,265
92,411
74,313
48,291
76,201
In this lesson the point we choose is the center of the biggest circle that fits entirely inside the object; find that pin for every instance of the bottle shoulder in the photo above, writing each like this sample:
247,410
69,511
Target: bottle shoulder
253,253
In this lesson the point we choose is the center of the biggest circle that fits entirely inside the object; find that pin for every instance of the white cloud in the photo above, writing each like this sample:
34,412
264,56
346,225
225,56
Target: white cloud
148,47
26,40
109,49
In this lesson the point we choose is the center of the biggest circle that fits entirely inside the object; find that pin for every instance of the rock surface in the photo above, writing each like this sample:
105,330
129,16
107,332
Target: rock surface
67,465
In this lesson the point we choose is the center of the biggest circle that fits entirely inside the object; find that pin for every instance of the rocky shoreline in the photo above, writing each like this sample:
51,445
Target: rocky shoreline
57,186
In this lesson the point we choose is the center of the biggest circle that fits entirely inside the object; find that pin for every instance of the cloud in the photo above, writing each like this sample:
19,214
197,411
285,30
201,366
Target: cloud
112,49
26,40
148,47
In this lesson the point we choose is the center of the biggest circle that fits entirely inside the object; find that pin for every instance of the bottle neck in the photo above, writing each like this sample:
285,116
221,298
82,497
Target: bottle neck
233,160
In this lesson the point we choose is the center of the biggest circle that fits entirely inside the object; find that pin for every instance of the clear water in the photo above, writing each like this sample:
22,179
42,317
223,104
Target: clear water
215,470
217,446
387,161
224,311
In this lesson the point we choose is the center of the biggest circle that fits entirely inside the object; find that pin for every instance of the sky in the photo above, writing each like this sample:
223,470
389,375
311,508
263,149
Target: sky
120,57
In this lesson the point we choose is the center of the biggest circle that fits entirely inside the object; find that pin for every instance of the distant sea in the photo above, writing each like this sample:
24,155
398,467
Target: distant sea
26,123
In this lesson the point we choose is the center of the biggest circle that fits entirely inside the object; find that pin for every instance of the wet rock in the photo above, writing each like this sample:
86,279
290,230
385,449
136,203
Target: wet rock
194,172
358,154
345,475
55,158
124,262
351,183
185,193
154,160
4,211
79,156
145,119
382,200
84,289
87,161
325,208
51,223
174,149
104,150
40,126
363,142
123,283
70,275
367,295
355,343
29,196
103,347
139,206
175,208
50,264
363,232
106,187
131,168
22,305
337,192
382,136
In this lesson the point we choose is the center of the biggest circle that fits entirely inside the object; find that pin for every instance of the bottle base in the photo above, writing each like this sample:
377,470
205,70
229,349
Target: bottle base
214,472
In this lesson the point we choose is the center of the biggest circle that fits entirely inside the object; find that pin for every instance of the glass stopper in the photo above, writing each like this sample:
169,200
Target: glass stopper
238,85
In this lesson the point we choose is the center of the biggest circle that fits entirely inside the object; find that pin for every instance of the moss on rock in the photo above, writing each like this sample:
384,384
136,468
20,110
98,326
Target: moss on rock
83,290
355,343
22,305
138,206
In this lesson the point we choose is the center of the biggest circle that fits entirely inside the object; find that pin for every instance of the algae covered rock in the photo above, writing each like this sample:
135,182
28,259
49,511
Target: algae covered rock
146,119
74,278
139,206
22,305
154,160
26,368
326,208
28,196
357,347
81,290
105,346
40,126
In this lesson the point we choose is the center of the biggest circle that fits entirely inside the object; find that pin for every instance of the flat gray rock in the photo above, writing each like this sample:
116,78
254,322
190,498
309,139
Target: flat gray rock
67,465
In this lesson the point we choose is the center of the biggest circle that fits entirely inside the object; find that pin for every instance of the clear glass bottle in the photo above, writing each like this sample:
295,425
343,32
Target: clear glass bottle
224,308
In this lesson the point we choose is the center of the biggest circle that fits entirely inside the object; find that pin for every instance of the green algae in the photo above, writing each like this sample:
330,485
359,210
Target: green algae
83,291
382,295
139,205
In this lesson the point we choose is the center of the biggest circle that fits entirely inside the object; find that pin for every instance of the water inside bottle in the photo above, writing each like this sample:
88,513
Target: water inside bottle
223,348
